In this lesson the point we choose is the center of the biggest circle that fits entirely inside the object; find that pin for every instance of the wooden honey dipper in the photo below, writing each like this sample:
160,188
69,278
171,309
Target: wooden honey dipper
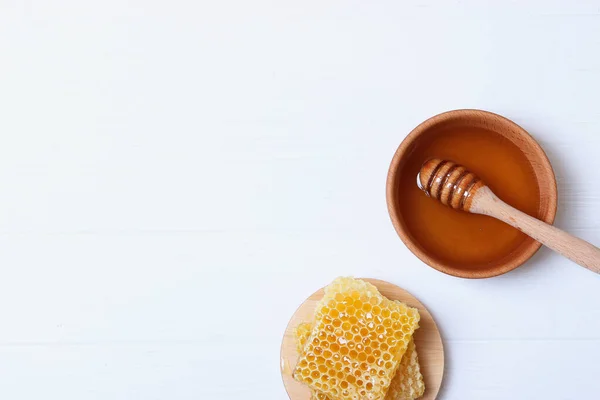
455,186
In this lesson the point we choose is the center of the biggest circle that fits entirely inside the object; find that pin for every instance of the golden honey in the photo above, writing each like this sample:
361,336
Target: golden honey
456,238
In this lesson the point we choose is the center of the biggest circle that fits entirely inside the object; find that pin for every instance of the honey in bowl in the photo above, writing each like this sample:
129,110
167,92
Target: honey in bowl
455,238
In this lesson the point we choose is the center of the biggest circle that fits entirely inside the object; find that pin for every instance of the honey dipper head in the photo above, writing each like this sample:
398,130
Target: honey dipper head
448,182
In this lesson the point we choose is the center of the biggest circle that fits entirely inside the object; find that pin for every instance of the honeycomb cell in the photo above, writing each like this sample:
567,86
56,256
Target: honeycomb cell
356,307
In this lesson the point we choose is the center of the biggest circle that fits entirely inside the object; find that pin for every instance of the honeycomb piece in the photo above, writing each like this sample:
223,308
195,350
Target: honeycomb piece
302,333
357,342
407,384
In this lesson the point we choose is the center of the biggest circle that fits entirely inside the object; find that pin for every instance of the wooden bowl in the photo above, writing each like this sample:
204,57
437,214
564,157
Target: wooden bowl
473,119
428,342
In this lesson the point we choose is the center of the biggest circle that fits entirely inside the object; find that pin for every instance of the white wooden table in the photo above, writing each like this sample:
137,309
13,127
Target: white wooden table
176,177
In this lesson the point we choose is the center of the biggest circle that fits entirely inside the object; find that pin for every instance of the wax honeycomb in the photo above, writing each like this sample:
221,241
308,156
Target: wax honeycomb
356,343
302,332
407,384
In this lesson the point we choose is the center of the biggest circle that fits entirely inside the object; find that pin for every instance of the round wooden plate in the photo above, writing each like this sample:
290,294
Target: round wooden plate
427,340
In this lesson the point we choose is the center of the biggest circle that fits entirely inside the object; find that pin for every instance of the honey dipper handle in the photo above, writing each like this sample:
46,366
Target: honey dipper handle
583,253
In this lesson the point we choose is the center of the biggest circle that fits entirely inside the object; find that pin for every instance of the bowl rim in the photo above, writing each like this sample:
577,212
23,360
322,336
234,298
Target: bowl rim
511,262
